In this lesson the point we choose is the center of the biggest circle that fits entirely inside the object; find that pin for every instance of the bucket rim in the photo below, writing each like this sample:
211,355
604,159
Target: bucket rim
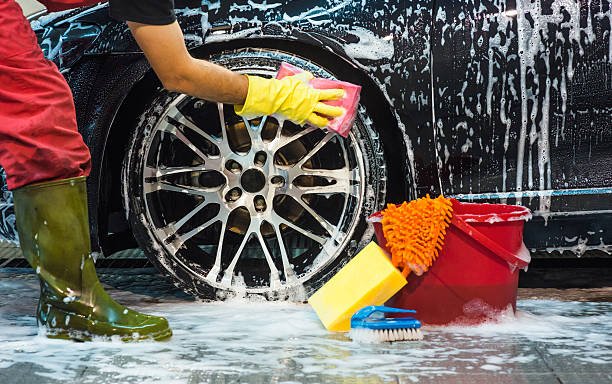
514,213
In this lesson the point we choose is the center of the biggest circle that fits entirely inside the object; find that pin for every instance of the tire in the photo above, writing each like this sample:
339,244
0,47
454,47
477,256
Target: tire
208,204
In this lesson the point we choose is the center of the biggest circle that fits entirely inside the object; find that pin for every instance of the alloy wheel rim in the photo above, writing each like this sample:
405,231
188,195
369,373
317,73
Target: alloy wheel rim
255,181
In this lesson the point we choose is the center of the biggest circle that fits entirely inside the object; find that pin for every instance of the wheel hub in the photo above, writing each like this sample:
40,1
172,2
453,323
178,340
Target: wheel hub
253,180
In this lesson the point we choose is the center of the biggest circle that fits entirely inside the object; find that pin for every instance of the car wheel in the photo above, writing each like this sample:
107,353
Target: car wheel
226,206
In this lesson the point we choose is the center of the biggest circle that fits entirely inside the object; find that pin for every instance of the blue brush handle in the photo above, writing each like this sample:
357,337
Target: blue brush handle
361,319
366,312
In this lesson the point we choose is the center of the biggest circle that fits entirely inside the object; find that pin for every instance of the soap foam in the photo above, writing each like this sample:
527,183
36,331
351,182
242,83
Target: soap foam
251,341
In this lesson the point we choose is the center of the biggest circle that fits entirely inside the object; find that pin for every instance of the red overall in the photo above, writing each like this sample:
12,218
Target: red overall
39,140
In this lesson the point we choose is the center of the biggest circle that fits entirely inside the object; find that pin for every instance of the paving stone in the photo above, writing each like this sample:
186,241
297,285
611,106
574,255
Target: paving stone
26,373
584,377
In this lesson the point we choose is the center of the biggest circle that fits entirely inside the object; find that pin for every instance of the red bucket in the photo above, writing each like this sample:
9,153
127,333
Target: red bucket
476,274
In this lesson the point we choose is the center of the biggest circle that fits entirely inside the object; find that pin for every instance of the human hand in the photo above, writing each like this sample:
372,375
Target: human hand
292,98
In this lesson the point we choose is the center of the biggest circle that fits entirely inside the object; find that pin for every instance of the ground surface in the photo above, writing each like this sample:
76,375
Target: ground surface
550,341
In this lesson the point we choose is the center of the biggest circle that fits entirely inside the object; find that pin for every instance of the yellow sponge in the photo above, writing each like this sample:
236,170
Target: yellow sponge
368,279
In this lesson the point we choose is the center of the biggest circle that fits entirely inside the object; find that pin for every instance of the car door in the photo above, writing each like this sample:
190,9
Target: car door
523,109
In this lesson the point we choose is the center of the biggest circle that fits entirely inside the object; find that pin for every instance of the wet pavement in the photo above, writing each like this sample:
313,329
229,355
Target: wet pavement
550,340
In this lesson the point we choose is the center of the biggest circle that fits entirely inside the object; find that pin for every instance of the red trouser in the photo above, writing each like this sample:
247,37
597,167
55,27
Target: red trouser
39,140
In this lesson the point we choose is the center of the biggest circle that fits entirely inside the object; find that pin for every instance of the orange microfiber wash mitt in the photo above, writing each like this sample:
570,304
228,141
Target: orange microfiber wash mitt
415,232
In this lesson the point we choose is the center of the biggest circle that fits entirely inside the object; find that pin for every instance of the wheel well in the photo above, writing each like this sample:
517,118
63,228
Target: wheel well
115,234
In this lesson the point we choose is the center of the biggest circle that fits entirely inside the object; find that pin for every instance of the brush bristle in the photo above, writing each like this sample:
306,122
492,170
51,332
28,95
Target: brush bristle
385,335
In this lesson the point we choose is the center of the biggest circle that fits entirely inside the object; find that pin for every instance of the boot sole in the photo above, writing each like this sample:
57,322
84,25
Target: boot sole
81,328
83,336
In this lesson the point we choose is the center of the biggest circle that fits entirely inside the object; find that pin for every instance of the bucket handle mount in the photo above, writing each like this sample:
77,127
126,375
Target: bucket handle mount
520,260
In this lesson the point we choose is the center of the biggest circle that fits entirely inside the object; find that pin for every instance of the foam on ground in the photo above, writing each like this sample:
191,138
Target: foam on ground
277,342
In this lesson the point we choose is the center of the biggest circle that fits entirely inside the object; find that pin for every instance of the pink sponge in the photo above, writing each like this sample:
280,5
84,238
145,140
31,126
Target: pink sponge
342,124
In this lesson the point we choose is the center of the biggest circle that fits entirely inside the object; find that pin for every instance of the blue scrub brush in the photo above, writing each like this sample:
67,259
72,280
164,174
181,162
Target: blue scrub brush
369,324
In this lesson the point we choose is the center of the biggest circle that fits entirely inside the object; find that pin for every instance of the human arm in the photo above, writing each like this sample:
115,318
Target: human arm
291,97
164,47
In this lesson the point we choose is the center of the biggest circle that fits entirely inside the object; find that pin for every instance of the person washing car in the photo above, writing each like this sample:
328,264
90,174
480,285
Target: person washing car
47,161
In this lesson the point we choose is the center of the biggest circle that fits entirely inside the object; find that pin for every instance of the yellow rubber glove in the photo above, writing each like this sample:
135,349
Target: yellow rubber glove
292,98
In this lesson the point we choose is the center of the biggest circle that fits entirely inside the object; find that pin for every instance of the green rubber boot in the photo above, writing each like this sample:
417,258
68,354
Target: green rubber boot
54,236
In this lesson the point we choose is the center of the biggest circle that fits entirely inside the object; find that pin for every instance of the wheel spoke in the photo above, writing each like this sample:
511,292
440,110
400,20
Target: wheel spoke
279,220
262,123
316,149
155,186
224,143
281,141
216,268
153,172
331,189
179,224
287,267
329,227
180,240
229,272
171,129
255,131
175,114
330,174
274,276
278,135
340,181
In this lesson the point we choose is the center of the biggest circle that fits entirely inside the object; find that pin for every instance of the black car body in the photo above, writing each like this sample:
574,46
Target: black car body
496,101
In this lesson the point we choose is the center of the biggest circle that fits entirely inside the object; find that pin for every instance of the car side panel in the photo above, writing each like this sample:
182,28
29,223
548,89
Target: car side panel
523,95
523,112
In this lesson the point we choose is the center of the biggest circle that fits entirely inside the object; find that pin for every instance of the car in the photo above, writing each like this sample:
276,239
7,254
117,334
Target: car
504,102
